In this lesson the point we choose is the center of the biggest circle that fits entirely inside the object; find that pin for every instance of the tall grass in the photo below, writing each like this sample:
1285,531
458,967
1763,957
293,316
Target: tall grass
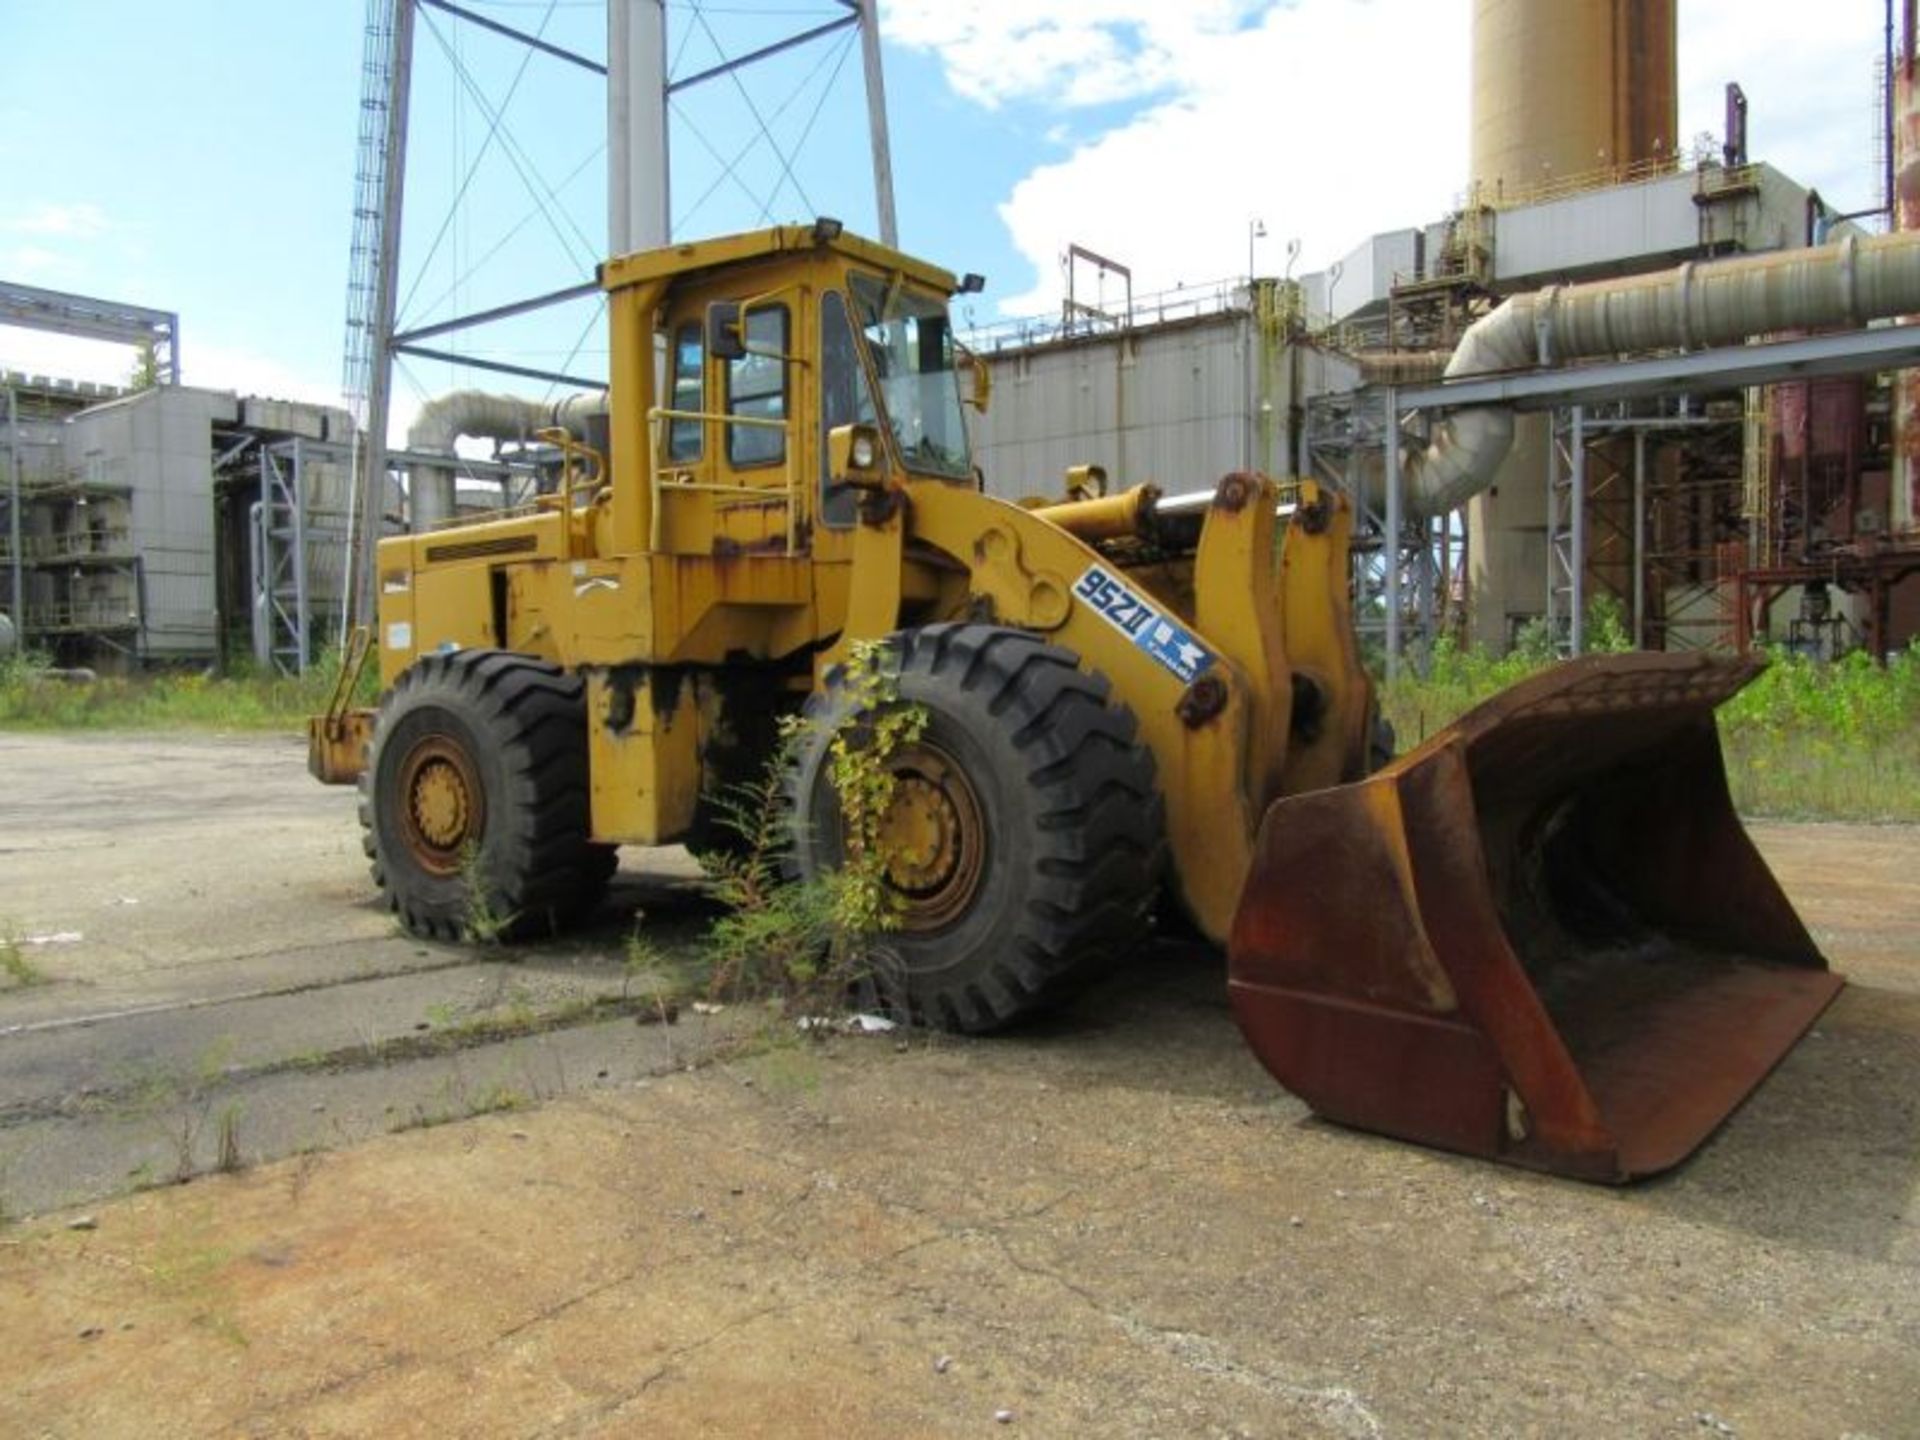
29,700
1820,741
1807,740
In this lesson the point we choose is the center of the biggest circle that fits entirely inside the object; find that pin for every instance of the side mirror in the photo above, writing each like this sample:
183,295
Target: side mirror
854,457
982,377
725,338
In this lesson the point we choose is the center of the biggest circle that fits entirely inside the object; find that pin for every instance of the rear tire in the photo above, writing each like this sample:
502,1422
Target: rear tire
474,803
1043,834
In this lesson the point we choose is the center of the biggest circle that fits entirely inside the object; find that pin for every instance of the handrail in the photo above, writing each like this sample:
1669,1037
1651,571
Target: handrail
656,487
111,544
1558,187
572,451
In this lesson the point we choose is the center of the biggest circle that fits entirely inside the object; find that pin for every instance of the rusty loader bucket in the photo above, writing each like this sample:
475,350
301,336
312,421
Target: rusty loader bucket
1542,937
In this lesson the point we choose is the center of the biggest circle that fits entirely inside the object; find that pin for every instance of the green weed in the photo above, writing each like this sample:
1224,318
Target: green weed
806,941
482,923
240,700
17,972
191,1271
178,1103
227,1159
1806,740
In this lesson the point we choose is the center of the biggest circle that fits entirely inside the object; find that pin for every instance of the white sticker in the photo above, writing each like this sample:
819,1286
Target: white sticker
1168,642
399,636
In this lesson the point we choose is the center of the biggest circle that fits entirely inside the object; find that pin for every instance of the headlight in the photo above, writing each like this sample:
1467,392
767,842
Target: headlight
862,453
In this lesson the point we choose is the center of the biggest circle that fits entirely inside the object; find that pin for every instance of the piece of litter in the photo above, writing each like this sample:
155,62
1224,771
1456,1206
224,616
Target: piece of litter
128,900
83,1222
58,937
943,1364
707,1007
92,1332
847,1024
1003,1417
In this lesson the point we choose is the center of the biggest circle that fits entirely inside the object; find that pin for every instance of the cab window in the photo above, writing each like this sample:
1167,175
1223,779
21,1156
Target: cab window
689,393
757,388
845,399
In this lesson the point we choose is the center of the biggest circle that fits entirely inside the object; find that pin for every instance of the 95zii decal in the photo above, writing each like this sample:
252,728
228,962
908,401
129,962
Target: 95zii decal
1169,643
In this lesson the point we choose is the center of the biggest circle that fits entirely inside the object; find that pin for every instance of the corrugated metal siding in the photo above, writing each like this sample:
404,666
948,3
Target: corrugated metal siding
1598,227
1171,406
1368,272
159,443
1638,225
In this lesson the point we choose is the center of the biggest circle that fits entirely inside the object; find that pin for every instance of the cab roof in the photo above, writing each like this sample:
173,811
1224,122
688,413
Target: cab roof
695,256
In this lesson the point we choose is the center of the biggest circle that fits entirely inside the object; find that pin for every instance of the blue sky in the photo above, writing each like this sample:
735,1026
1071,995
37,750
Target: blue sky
199,155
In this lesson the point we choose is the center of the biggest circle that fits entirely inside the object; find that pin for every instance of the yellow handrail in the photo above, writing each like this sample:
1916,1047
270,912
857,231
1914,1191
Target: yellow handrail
789,491
572,451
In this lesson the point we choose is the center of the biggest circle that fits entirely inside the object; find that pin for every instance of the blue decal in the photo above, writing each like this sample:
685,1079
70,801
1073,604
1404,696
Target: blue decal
1167,641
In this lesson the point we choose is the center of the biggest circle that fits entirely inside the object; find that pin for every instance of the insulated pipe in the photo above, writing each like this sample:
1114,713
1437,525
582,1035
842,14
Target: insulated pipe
1721,302
1402,367
445,418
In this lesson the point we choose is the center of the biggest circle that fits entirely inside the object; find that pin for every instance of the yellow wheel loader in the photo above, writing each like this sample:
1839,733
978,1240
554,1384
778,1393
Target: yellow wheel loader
1543,937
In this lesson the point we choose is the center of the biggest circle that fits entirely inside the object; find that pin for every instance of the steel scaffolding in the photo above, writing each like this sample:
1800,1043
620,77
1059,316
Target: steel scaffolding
290,539
1402,591
373,336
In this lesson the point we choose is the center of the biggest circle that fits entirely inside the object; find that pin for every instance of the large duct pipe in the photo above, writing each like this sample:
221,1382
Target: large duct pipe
1721,302
445,418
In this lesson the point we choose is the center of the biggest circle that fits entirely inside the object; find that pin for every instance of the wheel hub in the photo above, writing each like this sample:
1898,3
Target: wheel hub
442,805
933,837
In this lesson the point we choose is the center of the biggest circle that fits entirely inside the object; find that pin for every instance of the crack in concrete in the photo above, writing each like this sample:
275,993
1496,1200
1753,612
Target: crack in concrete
204,1002
1205,1355
396,1050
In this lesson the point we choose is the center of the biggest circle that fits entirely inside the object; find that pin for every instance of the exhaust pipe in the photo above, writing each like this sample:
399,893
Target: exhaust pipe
445,418
1716,302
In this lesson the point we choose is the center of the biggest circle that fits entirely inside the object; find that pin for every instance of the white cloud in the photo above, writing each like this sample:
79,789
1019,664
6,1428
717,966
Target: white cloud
1329,120
239,368
1068,52
29,263
210,366
64,222
65,357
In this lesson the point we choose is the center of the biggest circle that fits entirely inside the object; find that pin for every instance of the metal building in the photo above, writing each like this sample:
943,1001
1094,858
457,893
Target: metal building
1708,513
171,525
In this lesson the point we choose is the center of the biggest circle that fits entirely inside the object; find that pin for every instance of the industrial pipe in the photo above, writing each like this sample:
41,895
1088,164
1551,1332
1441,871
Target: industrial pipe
1702,303
445,418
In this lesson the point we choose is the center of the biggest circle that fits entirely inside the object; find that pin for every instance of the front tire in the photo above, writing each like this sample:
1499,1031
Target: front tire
474,803
1028,834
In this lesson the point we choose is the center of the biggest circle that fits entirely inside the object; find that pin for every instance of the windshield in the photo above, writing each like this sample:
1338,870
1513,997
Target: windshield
912,351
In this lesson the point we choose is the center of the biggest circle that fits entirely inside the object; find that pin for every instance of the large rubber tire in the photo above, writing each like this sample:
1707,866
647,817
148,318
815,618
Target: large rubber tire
474,803
1068,829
